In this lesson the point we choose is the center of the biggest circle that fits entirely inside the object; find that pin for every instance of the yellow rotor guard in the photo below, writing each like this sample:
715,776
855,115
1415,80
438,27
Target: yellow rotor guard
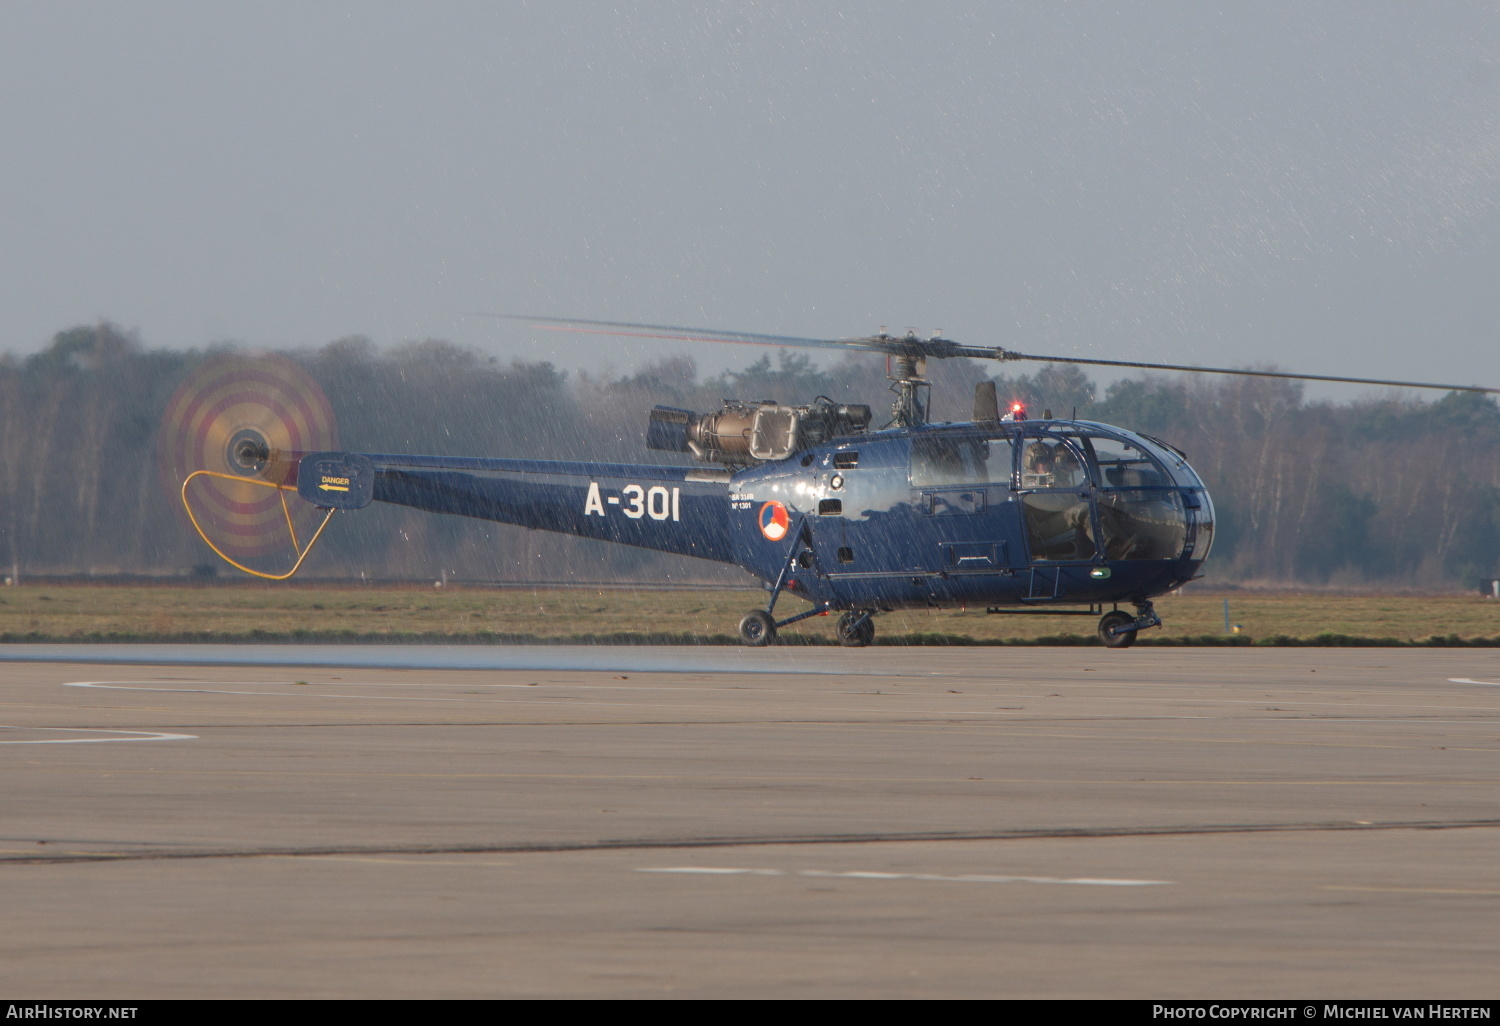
291,528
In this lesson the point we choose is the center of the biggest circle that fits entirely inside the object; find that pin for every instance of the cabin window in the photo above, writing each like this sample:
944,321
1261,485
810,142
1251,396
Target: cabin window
959,460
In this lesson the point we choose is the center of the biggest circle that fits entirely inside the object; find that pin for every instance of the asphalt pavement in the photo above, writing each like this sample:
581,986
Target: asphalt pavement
986,822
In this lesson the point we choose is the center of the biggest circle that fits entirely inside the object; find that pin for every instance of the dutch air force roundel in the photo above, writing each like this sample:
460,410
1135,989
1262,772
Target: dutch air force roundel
774,521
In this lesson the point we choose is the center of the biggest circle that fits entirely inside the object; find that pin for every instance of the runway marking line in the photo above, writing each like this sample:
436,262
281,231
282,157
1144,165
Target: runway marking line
923,877
1466,680
137,735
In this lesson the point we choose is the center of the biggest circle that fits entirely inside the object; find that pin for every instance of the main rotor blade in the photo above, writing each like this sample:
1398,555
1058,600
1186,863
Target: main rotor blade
936,348
627,329
1007,355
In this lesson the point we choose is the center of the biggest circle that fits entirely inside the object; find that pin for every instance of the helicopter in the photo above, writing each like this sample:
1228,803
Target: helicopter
1007,512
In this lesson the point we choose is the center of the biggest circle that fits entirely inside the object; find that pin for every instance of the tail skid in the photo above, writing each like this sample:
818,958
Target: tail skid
290,526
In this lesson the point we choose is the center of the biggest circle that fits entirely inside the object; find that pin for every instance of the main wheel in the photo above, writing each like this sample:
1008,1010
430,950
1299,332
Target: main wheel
1112,620
856,628
757,629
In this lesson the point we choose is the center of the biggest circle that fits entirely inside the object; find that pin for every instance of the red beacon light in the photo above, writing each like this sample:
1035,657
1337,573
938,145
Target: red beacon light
1017,411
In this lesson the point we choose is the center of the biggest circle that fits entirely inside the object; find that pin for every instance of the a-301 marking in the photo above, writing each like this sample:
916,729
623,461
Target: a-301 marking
636,501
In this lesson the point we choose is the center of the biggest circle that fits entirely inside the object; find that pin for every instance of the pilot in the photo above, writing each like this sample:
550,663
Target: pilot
1065,468
1037,464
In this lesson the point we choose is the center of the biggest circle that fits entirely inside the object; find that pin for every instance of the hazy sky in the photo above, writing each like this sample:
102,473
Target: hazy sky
1311,185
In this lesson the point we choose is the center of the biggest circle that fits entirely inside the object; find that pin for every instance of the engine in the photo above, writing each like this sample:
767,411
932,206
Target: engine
744,433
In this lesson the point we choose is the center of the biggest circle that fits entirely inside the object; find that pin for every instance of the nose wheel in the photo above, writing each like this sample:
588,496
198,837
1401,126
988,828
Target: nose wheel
1111,632
1117,629
856,628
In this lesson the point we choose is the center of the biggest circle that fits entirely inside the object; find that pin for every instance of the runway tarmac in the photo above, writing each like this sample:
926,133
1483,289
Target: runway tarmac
1154,823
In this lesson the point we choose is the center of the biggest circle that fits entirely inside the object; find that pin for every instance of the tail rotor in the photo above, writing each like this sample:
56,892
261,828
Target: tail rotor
230,443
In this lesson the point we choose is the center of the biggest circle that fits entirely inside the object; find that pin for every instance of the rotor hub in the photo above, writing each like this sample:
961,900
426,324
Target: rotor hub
248,451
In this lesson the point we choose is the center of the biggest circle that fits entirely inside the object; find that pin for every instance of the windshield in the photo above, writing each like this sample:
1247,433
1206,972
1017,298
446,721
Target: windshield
1122,464
1142,512
1175,462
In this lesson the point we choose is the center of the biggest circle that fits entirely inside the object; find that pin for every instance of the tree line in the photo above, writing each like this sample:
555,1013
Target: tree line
1388,490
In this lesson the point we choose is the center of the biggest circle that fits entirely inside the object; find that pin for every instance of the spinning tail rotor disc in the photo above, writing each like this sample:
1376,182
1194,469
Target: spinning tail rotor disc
248,417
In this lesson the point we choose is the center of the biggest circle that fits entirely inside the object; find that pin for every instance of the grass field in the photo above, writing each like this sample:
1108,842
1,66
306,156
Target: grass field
262,613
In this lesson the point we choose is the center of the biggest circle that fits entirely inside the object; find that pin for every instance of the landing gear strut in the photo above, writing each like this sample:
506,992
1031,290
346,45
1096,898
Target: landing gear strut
1117,629
758,628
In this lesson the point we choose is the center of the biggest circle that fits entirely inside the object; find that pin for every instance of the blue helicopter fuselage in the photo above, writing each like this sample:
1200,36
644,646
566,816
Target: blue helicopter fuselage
997,514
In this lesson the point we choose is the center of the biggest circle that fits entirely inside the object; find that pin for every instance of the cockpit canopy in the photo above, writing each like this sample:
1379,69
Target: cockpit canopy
1087,491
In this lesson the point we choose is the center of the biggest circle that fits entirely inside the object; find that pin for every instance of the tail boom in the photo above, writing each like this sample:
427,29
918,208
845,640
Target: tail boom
669,509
